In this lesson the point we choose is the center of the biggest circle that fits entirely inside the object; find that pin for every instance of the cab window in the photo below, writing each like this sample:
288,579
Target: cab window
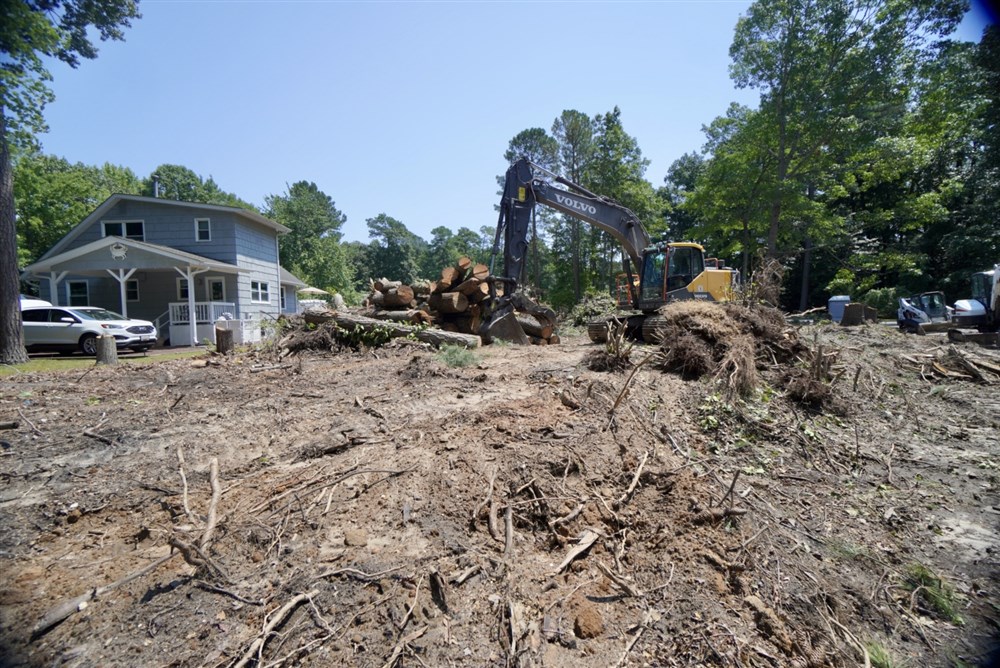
653,275
35,315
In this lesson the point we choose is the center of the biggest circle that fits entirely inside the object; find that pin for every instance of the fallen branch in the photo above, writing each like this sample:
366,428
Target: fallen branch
635,481
401,645
65,610
256,648
583,543
184,482
213,506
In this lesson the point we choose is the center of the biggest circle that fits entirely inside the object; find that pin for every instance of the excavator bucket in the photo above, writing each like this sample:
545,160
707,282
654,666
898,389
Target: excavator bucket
505,328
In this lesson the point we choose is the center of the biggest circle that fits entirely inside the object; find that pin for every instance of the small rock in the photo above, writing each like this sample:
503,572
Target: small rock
355,537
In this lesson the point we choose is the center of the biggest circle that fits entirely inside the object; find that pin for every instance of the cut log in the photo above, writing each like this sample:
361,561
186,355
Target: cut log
480,294
376,299
449,276
469,287
421,288
449,302
349,321
538,341
533,327
554,340
398,296
383,284
223,340
480,271
467,322
107,350
463,264
411,316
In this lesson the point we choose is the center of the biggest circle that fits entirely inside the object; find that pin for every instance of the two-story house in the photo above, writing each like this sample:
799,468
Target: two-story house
163,260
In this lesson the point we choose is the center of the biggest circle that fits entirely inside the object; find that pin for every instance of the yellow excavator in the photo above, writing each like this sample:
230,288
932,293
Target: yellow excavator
654,273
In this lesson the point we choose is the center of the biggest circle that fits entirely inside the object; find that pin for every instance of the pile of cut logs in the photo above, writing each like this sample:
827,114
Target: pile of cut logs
453,303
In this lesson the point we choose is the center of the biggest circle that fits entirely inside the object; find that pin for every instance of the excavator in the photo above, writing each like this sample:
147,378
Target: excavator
654,273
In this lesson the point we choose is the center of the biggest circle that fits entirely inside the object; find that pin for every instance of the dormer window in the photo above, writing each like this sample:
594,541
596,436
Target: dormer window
202,229
129,229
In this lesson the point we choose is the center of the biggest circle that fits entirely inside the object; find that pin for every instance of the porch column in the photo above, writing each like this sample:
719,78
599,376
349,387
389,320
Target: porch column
189,274
54,279
120,276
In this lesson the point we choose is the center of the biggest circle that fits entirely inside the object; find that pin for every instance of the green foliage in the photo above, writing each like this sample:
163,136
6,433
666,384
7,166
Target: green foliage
394,252
457,356
51,196
880,655
594,305
358,338
312,250
179,183
884,300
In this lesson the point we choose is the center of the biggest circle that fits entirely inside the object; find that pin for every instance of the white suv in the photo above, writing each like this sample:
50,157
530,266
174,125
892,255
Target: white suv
68,328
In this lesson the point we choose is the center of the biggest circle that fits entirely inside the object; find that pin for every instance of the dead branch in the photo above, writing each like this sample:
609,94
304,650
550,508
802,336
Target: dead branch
257,646
63,611
184,498
626,586
583,543
201,584
402,645
635,481
30,423
197,558
213,518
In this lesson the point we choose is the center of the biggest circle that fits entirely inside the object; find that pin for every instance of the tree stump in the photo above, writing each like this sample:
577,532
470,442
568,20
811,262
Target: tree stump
107,350
223,340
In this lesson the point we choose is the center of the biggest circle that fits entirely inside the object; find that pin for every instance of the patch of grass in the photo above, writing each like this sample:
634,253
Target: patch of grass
880,656
457,356
61,364
936,595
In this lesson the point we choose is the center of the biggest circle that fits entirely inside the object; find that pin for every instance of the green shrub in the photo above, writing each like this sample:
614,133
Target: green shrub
457,356
591,307
884,300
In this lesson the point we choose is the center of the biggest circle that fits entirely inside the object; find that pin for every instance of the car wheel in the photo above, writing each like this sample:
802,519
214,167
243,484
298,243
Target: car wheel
88,344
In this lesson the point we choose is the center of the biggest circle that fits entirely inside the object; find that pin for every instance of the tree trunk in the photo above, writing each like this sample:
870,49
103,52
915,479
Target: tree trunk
411,316
11,342
434,336
223,340
107,350
398,296
804,291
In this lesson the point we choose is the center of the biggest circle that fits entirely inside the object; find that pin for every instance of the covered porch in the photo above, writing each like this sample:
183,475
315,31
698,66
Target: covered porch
145,281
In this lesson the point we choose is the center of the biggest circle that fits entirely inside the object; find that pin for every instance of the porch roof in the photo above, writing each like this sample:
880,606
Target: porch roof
120,253
288,278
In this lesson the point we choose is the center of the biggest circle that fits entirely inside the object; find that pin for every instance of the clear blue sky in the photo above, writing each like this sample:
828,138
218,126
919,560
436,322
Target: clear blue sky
403,108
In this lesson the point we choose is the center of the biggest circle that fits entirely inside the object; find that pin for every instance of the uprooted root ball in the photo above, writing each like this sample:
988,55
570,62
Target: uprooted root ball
701,338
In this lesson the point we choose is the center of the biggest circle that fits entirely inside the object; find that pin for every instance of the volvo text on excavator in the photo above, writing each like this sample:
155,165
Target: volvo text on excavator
654,273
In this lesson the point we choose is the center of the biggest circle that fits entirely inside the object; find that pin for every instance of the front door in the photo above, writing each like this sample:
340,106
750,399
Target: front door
216,289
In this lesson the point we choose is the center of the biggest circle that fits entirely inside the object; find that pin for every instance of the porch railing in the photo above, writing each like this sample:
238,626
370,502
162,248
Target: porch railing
204,312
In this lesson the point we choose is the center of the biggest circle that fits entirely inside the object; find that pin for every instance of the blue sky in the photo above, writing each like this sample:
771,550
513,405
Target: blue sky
403,108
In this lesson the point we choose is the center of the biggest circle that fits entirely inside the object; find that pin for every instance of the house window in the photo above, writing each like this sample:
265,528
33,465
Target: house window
130,229
77,293
259,292
202,229
283,298
182,289
132,290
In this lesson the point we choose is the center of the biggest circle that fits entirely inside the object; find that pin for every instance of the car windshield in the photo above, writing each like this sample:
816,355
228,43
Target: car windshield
99,314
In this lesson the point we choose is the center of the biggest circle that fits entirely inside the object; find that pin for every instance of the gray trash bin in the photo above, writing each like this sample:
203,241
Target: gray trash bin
836,305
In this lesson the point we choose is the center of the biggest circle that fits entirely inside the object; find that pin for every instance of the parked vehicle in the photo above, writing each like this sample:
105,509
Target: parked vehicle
66,328
27,302
925,312
983,310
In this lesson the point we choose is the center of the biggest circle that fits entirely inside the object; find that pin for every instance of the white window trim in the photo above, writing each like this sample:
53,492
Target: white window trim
208,287
69,293
135,282
181,281
197,238
263,287
104,227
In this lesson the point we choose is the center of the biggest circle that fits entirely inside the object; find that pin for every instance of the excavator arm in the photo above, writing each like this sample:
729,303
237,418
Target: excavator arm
523,190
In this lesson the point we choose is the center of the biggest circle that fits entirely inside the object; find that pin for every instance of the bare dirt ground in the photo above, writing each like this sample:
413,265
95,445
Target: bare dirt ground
381,508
